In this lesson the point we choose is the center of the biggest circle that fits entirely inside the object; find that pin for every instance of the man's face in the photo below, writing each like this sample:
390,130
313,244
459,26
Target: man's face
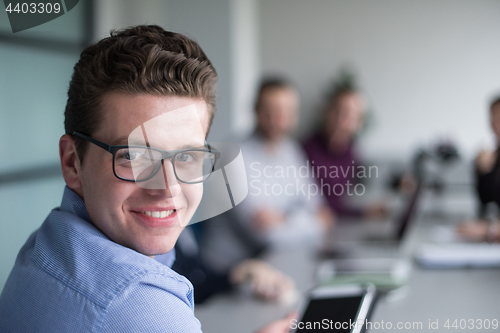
495,121
146,216
277,114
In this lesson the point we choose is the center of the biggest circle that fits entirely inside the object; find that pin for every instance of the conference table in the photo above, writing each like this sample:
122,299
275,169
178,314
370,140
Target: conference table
433,300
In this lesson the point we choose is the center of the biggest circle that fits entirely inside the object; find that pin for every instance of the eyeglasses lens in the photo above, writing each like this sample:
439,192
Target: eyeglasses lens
140,164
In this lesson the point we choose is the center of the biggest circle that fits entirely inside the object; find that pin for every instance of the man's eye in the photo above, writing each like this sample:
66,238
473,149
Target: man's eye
184,158
131,155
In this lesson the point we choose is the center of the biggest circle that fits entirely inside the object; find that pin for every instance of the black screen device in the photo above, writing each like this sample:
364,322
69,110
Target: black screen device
334,309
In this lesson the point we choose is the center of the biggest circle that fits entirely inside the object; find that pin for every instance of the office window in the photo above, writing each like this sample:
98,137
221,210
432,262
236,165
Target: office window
35,67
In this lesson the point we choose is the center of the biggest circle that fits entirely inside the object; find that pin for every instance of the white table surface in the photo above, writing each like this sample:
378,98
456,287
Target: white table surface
430,295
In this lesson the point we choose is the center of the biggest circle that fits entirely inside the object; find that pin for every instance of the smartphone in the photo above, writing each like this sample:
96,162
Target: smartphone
341,308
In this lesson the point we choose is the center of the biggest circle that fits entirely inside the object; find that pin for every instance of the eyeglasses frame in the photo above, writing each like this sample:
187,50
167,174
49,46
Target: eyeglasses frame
165,155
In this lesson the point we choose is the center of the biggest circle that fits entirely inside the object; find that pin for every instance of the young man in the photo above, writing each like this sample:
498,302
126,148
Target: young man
280,216
134,157
278,212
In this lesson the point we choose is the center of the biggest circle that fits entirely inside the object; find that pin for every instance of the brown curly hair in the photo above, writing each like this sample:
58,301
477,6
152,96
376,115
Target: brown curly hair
137,60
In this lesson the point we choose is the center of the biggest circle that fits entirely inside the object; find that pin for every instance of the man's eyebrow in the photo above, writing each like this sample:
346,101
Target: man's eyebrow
121,141
188,146
126,141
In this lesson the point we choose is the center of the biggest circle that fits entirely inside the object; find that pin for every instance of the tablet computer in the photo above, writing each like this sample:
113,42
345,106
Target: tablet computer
341,308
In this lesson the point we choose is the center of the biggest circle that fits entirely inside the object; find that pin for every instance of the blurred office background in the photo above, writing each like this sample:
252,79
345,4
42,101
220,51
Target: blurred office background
428,68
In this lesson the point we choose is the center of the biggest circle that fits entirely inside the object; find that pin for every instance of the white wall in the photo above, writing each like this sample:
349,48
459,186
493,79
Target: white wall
246,63
119,14
429,67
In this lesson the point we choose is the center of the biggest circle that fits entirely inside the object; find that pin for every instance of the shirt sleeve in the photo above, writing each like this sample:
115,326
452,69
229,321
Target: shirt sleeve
155,303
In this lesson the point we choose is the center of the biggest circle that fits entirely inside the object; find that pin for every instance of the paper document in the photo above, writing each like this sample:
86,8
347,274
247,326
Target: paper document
458,255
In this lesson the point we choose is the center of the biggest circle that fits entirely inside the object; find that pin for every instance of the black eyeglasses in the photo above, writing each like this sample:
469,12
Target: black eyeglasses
139,163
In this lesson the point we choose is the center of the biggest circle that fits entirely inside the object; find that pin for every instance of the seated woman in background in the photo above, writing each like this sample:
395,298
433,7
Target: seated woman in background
487,174
333,147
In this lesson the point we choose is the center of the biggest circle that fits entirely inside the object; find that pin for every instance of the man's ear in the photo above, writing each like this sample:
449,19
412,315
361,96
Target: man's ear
70,163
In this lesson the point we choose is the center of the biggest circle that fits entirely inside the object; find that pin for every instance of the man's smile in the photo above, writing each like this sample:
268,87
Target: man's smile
158,218
159,214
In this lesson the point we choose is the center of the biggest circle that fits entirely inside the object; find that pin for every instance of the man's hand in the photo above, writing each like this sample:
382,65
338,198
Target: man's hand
475,230
279,326
266,219
327,217
376,211
264,280
485,161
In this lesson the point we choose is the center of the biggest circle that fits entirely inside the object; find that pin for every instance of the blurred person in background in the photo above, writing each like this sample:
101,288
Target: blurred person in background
487,175
263,280
333,146
280,211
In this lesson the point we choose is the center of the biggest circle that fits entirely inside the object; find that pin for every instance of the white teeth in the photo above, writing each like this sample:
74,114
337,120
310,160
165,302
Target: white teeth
159,214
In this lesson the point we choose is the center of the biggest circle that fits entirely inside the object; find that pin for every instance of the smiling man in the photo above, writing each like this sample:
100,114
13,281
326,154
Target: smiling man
147,215
140,104
134,158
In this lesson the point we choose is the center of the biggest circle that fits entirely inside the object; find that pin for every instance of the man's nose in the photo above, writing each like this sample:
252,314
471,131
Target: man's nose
171,183
164,180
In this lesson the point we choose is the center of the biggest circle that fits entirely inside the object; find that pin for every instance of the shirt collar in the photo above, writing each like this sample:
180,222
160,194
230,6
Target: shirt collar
73,203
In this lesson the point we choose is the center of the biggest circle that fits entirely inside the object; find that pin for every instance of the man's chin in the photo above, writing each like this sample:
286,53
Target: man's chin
152,251
152,245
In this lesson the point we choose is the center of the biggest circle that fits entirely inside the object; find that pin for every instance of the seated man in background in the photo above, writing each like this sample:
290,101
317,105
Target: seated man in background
487,174
134,158
280,210
332,148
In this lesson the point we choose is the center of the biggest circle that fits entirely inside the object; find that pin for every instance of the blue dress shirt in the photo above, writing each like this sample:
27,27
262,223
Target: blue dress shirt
69,277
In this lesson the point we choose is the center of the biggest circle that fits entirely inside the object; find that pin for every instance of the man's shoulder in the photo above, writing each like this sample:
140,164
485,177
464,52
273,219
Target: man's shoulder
251,142
68,266
255,146
78,254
